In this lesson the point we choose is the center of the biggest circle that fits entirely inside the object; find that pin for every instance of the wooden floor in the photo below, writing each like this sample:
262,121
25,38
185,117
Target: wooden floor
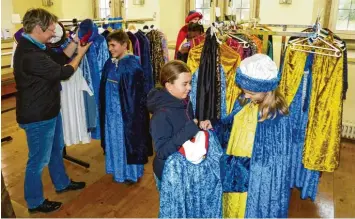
104,198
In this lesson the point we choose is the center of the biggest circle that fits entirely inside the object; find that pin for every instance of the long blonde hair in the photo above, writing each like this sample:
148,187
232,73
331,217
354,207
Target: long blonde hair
273,104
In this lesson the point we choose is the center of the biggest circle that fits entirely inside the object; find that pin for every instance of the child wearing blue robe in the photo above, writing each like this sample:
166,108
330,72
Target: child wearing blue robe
124,116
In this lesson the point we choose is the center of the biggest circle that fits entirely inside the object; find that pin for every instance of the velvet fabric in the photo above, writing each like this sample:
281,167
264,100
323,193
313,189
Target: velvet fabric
88,31
301,178
113,127
89,101
270,168
128,75
235,173
135,43
269,175
180,38
208,99
156,54
322,145
192,190
256,85
96,55
145,60
223,90
230,61
322,138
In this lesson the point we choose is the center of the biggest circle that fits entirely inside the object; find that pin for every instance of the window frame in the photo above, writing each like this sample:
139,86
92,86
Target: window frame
212,11
344,34
223,5
252,9
98,11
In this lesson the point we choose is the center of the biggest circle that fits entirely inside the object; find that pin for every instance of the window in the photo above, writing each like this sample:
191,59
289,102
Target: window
204,7
345,15
241,9
104,8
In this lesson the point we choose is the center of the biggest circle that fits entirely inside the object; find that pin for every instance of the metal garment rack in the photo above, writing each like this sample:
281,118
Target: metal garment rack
266,33
284,30
65,155
75,22
125,22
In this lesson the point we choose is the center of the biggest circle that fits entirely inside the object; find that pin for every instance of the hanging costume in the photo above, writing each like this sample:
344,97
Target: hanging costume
124,118
322,137
75,129
96,55
229,60
135,43
156,54
208,96
145,60
297,70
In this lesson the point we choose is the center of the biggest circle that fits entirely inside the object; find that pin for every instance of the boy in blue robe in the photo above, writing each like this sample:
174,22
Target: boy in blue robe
124,116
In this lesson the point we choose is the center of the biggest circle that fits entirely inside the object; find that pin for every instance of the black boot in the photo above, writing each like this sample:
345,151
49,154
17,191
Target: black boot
46,207
73,186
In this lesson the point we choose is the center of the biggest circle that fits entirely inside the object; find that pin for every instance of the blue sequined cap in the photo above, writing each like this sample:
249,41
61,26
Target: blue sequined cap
256,85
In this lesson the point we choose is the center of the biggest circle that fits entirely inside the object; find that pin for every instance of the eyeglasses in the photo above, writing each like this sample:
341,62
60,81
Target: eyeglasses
50,30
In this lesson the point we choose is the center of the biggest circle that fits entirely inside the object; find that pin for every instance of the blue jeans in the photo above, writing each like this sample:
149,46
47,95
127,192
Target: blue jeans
45,147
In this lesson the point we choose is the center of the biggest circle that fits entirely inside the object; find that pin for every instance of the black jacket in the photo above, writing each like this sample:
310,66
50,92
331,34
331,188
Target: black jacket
171,125
37,75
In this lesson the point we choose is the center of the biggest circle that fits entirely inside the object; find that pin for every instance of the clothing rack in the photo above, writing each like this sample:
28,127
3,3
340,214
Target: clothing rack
73,159
284,29
75,22
125,22
284,33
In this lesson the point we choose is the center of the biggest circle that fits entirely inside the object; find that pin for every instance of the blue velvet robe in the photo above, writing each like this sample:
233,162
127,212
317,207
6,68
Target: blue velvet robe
145,60
124,118
266,176
192,190
305,180
96,55
270,167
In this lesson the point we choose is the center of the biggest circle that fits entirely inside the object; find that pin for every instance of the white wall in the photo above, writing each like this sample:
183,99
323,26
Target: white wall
172,17
299,12
80,9
6,13
148,10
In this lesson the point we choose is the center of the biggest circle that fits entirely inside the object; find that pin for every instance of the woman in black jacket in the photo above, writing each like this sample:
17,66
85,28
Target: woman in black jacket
173,120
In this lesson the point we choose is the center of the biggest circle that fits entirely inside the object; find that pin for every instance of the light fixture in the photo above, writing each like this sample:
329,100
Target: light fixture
287,2
47,3
138,2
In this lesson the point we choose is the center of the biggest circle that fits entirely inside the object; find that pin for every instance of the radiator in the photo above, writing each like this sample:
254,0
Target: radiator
348,130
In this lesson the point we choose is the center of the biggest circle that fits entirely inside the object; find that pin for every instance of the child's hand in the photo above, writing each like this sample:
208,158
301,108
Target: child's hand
206,125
